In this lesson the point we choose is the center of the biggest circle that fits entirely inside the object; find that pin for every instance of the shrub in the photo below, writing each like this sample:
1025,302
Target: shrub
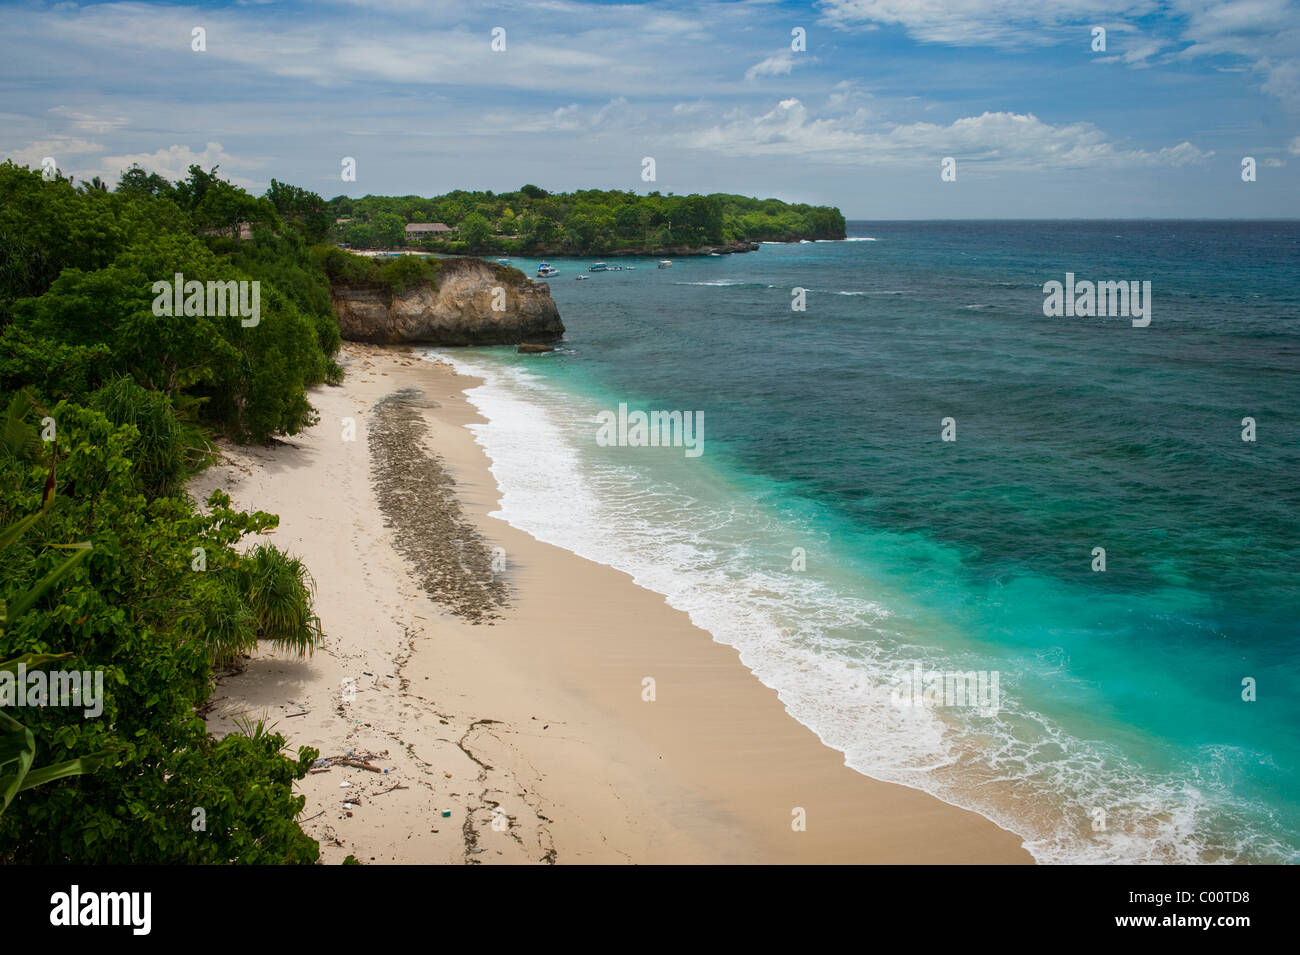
166,451
279,591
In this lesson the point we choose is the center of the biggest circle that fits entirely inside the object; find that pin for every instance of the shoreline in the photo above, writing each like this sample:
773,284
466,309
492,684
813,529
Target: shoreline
530,728
699,251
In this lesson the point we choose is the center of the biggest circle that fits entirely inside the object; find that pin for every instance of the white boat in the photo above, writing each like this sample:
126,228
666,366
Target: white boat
546,270
582,278
665,264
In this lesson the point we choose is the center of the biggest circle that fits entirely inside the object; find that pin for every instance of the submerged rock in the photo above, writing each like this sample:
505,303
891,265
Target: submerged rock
528,348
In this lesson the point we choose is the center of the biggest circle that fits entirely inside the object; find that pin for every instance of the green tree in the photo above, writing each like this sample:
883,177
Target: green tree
390,230
136,182
307,209
475,230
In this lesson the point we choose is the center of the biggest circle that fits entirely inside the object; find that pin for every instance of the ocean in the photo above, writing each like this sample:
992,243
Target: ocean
1146,712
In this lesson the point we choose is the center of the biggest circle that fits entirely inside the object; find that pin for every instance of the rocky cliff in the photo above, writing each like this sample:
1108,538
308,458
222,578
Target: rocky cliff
470,302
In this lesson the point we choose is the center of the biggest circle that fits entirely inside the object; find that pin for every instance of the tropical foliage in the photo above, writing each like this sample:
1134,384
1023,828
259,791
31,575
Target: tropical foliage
77,271
107,566
591,221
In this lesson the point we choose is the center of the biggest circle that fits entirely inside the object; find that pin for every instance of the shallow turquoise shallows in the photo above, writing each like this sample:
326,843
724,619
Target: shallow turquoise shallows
830,533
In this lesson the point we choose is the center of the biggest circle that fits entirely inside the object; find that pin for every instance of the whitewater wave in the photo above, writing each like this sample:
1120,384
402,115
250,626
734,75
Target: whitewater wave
831,654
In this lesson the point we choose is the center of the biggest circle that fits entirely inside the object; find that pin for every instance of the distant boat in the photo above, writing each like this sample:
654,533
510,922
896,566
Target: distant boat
545,270
598,267
582,278
665,264
631,268
504,261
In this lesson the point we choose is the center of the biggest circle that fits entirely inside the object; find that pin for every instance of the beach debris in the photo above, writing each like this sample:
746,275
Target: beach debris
357,764
446,814
351,759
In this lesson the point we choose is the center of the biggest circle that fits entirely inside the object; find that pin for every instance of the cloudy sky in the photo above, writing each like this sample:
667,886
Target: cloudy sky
1041,124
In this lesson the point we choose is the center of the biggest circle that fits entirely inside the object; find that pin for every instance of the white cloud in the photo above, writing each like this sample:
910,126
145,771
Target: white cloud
992,139
1265,33
566,48
672,25
1137,55
1281,78
86,121
784,130
847,94
982,22
174,163
688,109
62,148
782,64
574,117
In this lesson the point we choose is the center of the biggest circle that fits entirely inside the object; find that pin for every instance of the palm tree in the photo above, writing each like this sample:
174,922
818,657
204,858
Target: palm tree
95,185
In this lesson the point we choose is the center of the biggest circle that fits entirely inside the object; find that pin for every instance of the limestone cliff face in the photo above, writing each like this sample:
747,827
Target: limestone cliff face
457,310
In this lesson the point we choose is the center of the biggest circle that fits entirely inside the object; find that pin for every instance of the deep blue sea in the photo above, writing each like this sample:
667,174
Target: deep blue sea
830,534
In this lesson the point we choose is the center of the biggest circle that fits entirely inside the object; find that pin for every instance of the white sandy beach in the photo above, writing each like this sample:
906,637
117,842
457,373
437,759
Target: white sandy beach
531,731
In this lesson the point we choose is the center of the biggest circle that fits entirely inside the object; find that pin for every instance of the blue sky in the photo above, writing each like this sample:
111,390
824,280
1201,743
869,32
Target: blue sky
1040,124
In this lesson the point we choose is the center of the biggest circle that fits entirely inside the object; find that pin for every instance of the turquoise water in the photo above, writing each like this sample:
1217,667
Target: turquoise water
1121,733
